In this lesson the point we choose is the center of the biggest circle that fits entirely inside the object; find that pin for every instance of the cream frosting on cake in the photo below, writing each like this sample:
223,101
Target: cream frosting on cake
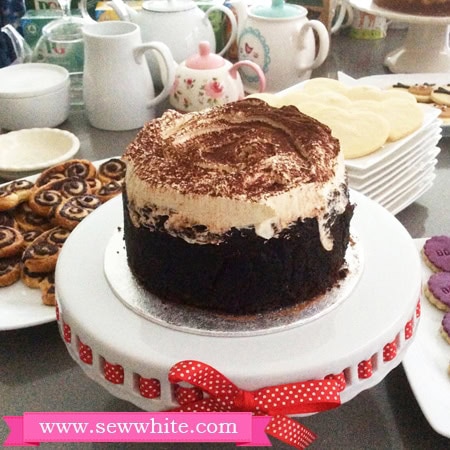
245,165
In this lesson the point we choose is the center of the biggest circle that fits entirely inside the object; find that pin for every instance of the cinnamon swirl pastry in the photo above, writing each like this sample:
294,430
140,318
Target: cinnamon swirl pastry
94,185
81,168
31,279
7,219
111,170
45,199
40,256
47,287
109,190
22,188
11,242
73,210
28,220
30,236
8,200
9,270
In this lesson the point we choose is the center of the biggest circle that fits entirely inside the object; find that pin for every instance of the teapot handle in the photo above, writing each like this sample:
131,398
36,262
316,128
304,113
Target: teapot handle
255,67
229,13
166,61
323,47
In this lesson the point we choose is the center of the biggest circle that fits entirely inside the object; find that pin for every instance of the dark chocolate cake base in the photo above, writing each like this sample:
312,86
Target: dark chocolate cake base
244,274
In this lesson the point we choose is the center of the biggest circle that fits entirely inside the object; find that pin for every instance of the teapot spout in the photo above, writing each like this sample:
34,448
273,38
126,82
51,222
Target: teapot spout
21,48
122,10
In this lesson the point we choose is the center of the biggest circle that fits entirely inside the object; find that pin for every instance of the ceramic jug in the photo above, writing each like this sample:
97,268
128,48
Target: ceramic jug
118,88
206,79
282,41
180,24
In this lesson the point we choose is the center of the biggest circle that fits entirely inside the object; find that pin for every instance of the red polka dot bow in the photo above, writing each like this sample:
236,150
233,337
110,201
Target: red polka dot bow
276,401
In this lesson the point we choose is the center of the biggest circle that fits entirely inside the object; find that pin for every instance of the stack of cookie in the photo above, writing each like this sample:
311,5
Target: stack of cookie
436,254
37,217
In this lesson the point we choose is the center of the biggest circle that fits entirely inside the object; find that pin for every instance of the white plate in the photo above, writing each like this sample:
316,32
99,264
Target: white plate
399,204
21,306
426,363
388,80
383,193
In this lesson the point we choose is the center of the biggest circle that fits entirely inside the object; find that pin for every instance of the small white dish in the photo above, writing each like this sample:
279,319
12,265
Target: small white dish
33,95
26,152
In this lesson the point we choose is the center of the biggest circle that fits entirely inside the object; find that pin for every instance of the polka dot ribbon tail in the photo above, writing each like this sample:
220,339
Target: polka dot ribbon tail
277,401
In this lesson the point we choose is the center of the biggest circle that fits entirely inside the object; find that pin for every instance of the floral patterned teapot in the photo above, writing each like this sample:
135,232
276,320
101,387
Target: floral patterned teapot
206,79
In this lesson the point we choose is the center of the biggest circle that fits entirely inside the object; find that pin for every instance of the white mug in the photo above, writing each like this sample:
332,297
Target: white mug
118,89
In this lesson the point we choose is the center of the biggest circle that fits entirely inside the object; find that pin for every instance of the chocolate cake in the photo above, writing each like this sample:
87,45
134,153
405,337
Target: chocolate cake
417,7
240,208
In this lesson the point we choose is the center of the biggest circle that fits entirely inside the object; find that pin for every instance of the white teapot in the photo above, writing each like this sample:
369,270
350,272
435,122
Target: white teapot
206,79
180,24
280,39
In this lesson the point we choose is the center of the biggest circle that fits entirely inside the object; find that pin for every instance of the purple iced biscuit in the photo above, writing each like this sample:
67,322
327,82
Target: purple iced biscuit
439,287
445,330
437,250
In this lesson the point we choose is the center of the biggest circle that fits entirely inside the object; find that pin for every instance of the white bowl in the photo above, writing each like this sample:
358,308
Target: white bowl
33,95
28,151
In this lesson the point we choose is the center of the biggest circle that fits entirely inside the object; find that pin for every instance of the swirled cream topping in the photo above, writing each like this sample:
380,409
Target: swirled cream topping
244,164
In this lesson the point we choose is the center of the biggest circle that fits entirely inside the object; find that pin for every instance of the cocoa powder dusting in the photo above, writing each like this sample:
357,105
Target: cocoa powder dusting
242,149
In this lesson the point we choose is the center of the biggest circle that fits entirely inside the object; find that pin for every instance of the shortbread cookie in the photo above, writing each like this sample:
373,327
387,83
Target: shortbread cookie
111,170
403,118
437,290
445,327
9,270
321,84
11,242
73,210
270,99
359,133
436,253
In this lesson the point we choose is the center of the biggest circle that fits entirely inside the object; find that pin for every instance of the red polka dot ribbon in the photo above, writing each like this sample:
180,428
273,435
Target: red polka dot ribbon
276,401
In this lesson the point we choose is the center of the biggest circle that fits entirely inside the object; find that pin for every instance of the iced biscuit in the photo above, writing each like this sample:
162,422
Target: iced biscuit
436,253
445,327
437,290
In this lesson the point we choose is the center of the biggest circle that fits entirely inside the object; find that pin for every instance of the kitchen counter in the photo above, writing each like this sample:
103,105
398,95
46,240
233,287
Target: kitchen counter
37,373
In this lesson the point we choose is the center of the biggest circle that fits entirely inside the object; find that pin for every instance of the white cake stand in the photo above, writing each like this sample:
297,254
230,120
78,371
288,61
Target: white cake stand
364,337
426,46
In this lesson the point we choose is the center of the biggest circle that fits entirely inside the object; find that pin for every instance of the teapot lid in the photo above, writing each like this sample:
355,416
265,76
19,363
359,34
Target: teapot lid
278,9
204,59
168,5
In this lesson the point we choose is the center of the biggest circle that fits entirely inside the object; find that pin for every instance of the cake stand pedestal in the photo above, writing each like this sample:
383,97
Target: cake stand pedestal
362,339
426,46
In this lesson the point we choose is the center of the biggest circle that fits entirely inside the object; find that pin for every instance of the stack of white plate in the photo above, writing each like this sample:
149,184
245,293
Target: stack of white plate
400,172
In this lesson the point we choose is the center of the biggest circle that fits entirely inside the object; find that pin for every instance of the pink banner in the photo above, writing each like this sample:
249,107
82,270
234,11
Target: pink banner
241,428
